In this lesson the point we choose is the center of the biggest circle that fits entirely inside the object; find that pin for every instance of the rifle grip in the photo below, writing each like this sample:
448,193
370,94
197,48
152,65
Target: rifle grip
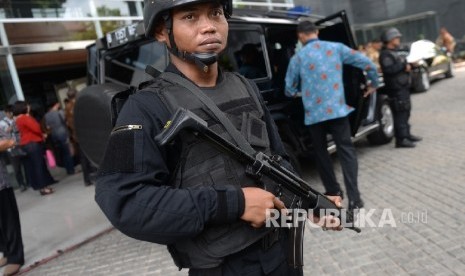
182,119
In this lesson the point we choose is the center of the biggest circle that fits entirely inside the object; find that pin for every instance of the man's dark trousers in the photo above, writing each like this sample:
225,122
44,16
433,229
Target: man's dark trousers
11,243
340,131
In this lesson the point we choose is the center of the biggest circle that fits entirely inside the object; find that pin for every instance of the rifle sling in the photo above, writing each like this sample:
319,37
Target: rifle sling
235,134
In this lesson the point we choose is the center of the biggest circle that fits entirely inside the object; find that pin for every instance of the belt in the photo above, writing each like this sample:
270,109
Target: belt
270,239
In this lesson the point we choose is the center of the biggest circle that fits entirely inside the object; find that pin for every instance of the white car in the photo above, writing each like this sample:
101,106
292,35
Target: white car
429,62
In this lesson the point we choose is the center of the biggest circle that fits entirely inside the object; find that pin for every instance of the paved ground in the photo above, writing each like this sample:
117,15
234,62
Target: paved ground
423,188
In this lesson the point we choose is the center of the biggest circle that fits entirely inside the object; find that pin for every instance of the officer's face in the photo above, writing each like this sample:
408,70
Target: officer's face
199,28
396,41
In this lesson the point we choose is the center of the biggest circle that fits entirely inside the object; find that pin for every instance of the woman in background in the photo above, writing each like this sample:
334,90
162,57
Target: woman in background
32,141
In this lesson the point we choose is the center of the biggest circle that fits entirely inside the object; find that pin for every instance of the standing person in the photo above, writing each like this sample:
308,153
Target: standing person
15,154
56,127
317,70
250,58
445,39
373,50
11,242
191,196
87,168
32,142
396,74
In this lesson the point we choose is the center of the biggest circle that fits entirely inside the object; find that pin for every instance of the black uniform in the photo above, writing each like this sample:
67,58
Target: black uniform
144,190
397,82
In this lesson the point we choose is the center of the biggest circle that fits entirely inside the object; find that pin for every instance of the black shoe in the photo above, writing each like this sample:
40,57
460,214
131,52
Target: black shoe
356,205
405,143
414,138
90,183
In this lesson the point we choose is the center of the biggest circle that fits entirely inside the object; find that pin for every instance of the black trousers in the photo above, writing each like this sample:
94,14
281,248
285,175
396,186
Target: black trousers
255,261
17,164
340,131
37,173
11,242
87,168
401,107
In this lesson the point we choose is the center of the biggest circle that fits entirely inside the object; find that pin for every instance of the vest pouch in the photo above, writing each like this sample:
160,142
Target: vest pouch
254,130
216,242
403,79
207,167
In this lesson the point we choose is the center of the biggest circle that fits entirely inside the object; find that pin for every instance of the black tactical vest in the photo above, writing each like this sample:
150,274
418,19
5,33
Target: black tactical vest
398,81
203,165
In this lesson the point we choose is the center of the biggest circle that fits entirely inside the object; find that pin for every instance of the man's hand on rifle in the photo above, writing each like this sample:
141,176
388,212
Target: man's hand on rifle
329,222
257,201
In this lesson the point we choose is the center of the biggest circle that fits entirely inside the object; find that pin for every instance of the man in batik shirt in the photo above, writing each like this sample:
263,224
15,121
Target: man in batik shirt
316,72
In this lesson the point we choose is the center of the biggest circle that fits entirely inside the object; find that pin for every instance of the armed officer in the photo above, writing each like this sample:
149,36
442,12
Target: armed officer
188,195
396,73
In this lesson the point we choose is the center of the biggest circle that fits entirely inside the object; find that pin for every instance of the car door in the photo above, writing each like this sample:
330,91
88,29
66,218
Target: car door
336,28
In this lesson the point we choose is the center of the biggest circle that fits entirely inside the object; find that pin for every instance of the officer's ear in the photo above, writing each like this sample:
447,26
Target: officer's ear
161,33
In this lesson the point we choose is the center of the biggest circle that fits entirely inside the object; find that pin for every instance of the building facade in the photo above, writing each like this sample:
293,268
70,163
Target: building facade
43,42
416,18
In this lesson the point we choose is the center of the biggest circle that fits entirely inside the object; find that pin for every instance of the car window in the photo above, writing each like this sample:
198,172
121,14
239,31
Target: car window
128,66
244,54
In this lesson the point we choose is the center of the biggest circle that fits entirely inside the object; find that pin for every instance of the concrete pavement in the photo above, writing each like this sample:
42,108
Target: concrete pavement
423,188
55,223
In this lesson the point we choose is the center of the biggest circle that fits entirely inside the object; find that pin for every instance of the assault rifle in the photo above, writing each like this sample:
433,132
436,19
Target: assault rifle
259,165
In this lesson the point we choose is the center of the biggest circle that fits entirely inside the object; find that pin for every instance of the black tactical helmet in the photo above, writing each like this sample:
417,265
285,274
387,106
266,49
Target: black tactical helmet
153,9
390,34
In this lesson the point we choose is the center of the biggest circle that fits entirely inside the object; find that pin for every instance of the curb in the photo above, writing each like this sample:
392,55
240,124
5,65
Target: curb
66,250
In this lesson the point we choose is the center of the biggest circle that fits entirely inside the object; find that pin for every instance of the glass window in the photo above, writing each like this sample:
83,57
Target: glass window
30,9
118,8
68,8
41,32
128,66
244,54
7,94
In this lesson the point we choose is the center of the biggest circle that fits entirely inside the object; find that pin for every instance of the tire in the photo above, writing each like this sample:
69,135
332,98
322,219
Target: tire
450,72
422,83
385,119
293,159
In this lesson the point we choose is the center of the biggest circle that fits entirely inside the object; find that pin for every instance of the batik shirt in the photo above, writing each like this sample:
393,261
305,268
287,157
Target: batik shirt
4,177
316,72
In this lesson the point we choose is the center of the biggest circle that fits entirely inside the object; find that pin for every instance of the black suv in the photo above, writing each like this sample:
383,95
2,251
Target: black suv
119,60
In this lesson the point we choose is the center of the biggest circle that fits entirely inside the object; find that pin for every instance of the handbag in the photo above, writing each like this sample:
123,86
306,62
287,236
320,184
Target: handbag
17,152
51,162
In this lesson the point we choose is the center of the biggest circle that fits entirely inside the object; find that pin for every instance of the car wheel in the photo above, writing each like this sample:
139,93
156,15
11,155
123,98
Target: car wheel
450,71
385,119
423,83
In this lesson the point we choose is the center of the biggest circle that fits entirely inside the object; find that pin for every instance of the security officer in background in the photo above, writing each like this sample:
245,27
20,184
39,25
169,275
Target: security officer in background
396,73
189,195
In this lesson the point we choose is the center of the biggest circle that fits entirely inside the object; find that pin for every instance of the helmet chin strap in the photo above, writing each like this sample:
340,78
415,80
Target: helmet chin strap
202,60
